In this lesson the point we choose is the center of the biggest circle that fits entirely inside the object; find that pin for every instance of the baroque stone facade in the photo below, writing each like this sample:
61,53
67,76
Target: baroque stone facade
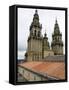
38,46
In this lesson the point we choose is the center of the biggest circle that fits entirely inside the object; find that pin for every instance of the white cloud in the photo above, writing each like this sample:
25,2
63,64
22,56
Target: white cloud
21,54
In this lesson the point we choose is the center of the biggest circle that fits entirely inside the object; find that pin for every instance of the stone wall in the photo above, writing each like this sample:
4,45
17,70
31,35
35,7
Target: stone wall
48,53
30,75
34,49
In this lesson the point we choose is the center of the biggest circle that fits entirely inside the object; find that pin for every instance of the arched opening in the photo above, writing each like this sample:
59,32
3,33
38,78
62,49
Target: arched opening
38,33
35,32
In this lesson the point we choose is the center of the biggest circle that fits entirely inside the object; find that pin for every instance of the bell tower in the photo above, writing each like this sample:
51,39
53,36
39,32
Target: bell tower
34,51
35,27
57,43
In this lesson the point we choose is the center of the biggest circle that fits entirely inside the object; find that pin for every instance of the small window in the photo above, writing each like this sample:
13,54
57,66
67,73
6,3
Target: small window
34,78
35,33
38,33
58,38
53,39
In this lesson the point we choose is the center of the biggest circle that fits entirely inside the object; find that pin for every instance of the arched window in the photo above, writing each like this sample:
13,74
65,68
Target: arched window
35,32
34,78
58,38
38,33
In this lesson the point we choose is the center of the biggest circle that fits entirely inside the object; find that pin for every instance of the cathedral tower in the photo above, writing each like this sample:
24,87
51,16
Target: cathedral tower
34,51
46,47
57,44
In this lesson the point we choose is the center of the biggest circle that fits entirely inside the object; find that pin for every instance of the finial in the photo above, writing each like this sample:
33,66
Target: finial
36,11
36,16
56,20
45,32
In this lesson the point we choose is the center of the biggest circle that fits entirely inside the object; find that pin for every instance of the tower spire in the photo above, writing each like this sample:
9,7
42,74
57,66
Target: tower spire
56,20
35,27
57,40
56,27
45,33
36,12
36,16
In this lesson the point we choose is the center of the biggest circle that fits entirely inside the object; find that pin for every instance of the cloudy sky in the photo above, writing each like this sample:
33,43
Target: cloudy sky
47,19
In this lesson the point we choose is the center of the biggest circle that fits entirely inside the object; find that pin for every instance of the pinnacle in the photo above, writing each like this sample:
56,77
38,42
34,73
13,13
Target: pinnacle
36,11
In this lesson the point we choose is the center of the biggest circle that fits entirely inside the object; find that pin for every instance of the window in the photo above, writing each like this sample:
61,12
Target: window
60,38
41,78
35,32
34,78
38,33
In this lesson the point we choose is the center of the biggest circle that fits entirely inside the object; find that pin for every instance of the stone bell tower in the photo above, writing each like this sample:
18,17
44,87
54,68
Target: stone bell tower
34,50
57,43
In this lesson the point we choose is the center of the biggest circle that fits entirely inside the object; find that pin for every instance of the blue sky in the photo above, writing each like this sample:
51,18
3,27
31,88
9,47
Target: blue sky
47,19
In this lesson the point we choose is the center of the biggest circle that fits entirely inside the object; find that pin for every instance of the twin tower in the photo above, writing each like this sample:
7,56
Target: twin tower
38,46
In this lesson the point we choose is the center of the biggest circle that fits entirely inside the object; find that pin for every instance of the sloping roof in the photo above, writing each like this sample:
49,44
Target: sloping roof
53,69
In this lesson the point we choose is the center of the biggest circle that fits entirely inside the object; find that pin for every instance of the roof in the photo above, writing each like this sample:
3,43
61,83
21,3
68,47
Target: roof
55,58
53,69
